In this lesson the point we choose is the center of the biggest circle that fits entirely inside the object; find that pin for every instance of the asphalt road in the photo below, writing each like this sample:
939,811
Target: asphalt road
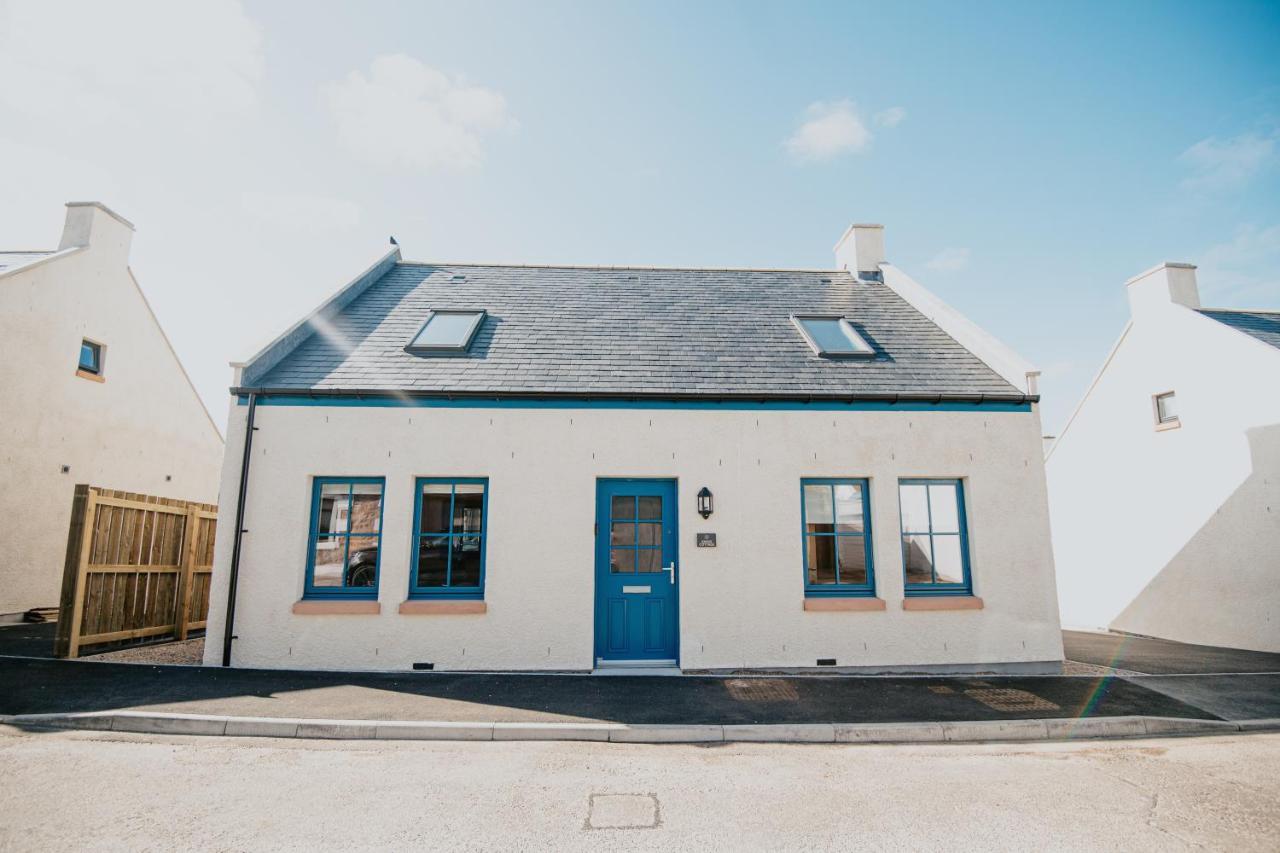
86,791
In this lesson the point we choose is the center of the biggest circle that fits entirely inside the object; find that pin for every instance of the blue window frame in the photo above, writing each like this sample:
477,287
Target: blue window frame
90,357
450,515
935,539
346,537
835,520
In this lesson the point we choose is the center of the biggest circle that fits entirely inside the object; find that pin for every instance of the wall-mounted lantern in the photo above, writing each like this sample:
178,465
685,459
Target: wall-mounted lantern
704,502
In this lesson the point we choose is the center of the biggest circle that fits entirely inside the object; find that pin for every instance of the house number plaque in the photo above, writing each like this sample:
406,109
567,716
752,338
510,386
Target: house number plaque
706,540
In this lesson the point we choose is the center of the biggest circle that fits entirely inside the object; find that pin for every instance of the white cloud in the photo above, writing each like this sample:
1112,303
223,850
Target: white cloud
891,117
301,212
833,128
949,260
134,68
407,114
1243,272
1223,164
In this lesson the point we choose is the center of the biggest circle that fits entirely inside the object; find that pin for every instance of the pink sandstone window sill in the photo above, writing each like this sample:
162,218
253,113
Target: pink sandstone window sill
830,605
943,602
313,607
420,607
92,377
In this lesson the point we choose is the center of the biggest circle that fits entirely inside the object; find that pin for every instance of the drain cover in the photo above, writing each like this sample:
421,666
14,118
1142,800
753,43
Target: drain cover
622,811
1010,700
762,690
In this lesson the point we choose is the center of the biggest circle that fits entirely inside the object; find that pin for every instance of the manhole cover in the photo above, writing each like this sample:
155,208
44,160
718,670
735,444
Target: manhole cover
762,690
622,811
1010,700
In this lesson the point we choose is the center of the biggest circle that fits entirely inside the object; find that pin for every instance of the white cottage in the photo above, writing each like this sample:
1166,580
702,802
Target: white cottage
94,394
480,467
1165,483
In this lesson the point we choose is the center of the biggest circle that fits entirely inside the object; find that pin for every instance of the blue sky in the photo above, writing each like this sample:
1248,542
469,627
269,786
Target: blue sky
1025,158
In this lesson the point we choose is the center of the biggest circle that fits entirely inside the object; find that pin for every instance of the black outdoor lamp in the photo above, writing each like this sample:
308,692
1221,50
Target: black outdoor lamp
704,502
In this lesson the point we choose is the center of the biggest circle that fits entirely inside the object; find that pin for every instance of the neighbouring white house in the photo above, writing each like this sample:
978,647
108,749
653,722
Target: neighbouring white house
94,394
480,467
1165,484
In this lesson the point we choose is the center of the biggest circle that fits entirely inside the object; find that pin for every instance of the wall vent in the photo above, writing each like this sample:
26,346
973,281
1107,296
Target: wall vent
424,665
826,661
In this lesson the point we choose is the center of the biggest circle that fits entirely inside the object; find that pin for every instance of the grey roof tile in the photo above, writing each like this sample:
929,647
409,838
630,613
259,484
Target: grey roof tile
574,330
1263,325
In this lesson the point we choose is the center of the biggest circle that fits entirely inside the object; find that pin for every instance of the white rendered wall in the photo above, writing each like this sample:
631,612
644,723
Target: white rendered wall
142,424
1174,533
740,603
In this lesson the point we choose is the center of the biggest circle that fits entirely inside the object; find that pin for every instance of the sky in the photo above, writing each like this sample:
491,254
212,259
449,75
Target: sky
1025,158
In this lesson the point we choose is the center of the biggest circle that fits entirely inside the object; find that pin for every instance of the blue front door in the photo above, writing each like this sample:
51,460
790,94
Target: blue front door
637,579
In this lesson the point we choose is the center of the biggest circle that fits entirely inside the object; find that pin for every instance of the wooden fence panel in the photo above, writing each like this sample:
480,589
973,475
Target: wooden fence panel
137,566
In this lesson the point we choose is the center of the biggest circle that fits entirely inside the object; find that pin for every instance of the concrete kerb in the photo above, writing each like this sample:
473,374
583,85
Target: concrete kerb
980,731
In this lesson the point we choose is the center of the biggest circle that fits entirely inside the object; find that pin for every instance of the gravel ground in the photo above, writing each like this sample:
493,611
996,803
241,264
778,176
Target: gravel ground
1073,667
186,652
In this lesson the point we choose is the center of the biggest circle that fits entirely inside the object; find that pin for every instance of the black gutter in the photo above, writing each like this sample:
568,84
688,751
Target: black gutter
229,626
379,393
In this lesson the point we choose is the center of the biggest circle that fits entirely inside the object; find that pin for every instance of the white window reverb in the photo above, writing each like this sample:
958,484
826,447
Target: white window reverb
447,331
832,336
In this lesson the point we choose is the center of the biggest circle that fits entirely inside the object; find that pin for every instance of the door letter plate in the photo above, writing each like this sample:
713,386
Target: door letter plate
637,589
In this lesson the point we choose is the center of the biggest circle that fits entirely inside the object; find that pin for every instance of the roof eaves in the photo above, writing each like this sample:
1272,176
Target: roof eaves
270,355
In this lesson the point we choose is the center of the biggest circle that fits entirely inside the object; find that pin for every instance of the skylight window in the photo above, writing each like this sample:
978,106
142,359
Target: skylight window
446,331
832,336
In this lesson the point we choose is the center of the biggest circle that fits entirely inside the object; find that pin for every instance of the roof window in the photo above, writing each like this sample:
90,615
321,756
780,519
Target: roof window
446,331
832,336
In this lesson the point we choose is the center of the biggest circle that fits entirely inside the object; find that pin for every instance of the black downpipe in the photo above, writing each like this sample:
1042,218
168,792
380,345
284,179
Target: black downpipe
228,628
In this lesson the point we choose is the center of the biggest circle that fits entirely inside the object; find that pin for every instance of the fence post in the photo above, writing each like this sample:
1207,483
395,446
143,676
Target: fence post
71,603
190,533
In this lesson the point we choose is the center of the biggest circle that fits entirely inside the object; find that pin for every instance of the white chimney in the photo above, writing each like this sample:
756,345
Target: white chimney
93,224
861,250
1162,286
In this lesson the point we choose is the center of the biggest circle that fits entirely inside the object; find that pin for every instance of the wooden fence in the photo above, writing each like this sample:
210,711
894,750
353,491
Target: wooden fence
137,567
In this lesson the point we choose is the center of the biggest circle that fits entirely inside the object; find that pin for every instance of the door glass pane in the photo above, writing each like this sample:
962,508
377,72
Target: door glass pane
466,561
622,533
946,555
622,560
650,533
623,506
330,553
650,507
916,555
818,512
468,507
822,559
334,503
848,508
649,560
433,560
435,507
914,500
853,559
362,562
942,501
366,507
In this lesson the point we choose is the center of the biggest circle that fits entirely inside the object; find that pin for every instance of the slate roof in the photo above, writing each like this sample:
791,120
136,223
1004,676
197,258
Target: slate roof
11,260
579,331
1263,325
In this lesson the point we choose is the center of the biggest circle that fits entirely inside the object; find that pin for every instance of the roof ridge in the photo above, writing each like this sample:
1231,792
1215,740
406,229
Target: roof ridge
619,268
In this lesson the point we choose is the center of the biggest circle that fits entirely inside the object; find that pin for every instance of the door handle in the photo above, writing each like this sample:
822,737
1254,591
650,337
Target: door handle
671,568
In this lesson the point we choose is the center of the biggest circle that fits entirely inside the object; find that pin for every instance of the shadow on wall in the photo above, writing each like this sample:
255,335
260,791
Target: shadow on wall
1223,587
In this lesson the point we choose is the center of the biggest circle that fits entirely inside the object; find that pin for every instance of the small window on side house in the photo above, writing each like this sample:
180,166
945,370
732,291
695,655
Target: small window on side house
91,357
346,536
832,336
446,331
1166,411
